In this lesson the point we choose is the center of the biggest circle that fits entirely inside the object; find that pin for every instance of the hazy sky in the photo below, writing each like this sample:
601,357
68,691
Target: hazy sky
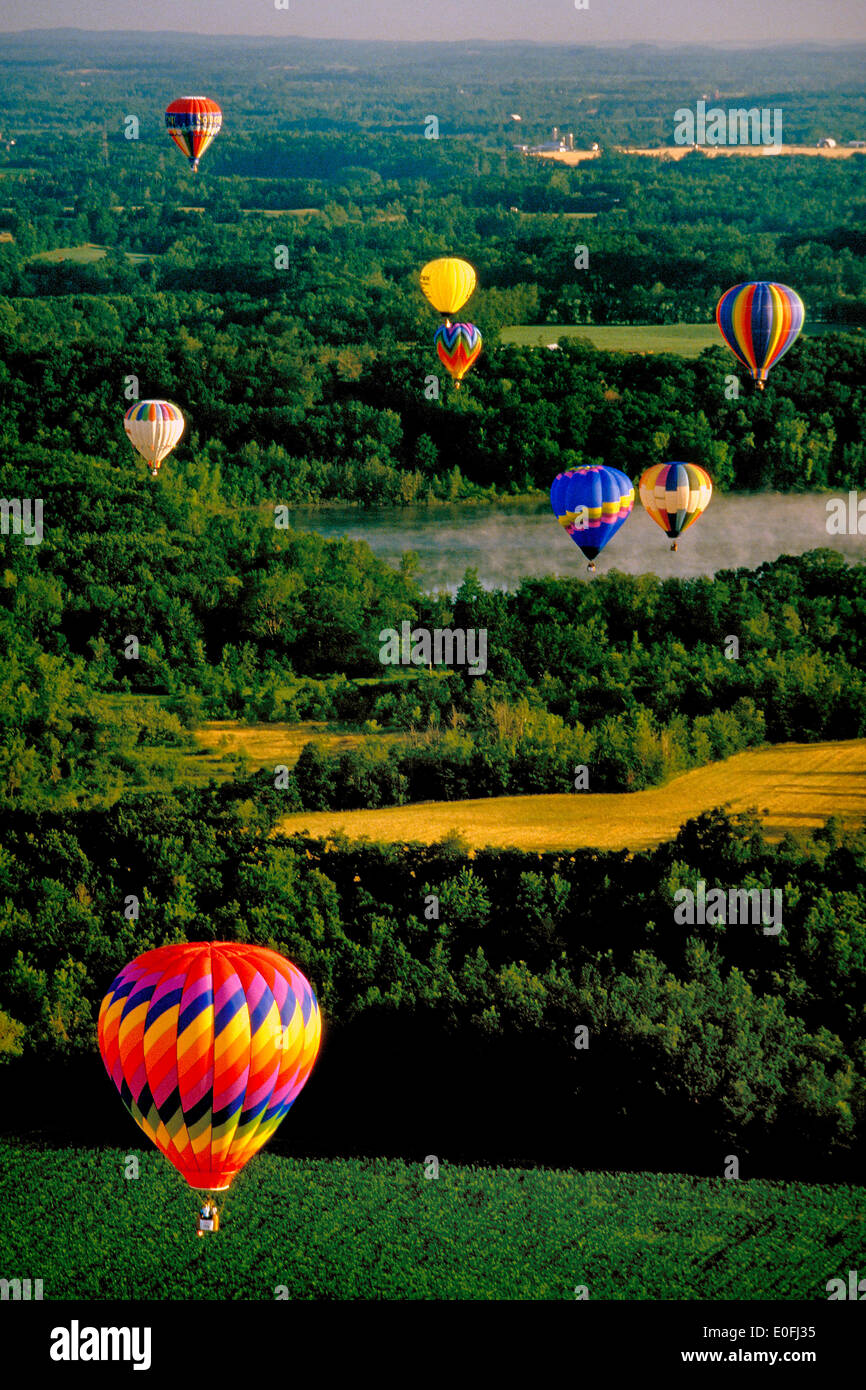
651,21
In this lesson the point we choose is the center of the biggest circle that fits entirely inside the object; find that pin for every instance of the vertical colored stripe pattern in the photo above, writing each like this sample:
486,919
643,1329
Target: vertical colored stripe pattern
759,322
153,429
591,504
209,1045
458,346
675,495
192,123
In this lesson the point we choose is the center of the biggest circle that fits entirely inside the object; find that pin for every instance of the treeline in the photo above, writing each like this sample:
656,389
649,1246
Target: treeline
635,677
665,238
345,88
273,415
472,975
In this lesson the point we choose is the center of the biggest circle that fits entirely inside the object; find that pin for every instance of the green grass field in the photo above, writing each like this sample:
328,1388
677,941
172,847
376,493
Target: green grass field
79,255
88,253
379,1229
683,339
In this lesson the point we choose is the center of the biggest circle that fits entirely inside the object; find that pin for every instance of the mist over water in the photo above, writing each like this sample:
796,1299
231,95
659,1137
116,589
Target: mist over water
506,542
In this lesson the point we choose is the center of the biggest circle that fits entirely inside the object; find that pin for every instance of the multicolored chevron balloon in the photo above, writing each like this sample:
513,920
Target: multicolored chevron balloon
209,1044
759,321
458,346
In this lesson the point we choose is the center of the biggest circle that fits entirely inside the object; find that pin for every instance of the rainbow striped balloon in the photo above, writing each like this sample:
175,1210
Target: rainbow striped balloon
192,123
458,346
759,321
153,429
675,495
591,504
209,1044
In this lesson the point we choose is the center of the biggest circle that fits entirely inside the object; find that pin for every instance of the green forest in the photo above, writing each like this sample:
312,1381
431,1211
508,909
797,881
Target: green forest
153,605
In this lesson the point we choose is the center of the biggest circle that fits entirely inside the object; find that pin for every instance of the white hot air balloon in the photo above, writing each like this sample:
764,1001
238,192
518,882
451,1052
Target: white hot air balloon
154,428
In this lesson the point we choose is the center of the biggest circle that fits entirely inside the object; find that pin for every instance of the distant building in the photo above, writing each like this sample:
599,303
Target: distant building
856,144
552,147
825,143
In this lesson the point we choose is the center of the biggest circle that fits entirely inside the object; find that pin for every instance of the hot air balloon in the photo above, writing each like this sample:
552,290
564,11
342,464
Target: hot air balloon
209,1044
448,283
192,123
759,321
675,495
592,504
154,428
458,345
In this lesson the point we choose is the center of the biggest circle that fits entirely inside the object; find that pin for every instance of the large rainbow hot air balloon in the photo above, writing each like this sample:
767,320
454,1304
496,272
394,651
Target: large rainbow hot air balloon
458,345
447,283
153,428
209,1044
675,495
759,321
592,504
192,123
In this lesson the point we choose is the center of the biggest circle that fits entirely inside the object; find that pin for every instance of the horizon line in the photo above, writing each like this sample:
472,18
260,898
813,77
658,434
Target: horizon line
455,43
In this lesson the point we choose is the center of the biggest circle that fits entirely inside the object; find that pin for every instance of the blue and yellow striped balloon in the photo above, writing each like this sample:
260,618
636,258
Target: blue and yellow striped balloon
591,504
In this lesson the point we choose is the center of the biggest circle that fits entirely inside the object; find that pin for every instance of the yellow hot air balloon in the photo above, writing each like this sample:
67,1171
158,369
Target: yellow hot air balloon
448,283
153,428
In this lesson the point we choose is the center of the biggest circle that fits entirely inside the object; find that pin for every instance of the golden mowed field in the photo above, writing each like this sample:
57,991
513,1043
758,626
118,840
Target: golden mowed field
711,151
266,744
793,786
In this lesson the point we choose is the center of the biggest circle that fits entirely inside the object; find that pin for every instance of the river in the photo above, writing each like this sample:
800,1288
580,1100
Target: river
507,541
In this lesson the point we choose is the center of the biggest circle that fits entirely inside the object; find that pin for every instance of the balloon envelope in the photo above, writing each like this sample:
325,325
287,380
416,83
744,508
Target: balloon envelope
192,123
591,504
458,345
675,495
447,283
209,1044
153,429
759,321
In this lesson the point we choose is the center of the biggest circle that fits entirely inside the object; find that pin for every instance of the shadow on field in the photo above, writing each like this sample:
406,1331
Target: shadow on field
501,1104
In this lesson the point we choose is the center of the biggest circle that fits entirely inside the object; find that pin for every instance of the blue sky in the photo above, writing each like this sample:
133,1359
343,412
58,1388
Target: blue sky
673,21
